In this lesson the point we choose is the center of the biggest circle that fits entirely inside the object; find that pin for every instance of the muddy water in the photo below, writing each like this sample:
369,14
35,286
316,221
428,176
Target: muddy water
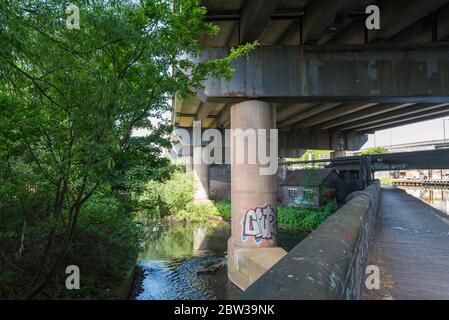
177,254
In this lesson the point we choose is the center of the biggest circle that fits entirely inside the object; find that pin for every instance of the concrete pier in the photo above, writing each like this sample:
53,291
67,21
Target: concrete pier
201,183
252,248
201,180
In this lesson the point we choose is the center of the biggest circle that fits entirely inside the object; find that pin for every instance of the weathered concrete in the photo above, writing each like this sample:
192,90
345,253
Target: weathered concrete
397,161
410,248
354,73
201,180
201,183
292,144
330,263
245,265
250,189
252,248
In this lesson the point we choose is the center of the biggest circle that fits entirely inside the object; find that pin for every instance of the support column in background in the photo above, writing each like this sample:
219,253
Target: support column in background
189,163
252,248
201,178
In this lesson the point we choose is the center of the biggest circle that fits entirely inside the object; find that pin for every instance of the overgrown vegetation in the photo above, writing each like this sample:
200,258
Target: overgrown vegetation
173,197
389,181
374,150
306,218
69,102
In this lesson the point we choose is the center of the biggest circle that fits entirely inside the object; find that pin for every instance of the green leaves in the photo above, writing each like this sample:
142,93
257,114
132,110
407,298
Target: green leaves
70,100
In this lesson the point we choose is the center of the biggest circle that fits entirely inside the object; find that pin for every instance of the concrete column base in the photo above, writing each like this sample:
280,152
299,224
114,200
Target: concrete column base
246,265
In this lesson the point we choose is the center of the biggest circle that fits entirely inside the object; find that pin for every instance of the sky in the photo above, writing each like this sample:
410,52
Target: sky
412,133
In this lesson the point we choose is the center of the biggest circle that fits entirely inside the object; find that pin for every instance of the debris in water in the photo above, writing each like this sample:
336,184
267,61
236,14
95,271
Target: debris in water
212,267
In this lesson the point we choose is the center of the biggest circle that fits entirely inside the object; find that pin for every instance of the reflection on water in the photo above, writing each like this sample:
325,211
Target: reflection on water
176,255
437,198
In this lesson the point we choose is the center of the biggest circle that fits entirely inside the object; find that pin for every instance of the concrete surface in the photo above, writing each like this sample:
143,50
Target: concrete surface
245,266
330,263
411,248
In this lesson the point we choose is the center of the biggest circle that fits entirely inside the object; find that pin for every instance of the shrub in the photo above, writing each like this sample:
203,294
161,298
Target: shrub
387,181
224,208
105,247
151,203
160,199
178,191
307,218
197,212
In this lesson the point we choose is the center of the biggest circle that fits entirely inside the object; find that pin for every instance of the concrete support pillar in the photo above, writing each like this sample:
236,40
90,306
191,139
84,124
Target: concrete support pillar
201,180
189,163
252,248
201,177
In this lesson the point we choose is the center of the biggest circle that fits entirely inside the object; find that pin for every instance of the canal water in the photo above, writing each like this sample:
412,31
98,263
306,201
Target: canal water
437,198
184,261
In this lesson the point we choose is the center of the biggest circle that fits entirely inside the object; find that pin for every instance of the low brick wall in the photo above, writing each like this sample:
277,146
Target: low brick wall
330,263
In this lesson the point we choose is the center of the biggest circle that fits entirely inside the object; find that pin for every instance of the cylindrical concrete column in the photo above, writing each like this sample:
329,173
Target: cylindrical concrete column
201,182
252,247
253,195
189,163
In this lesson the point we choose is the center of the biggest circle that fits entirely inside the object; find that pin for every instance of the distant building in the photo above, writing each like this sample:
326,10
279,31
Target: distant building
312,187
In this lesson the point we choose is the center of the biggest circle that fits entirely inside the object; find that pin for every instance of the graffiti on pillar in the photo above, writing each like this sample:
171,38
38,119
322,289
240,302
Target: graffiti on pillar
260,224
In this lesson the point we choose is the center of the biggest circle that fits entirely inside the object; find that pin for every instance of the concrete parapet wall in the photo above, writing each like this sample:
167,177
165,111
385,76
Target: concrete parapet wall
330,263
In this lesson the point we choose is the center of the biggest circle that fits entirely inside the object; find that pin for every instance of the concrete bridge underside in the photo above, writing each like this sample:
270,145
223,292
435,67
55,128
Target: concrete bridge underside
323,80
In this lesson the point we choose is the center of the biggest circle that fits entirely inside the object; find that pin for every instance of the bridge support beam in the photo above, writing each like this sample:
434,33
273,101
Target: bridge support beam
252,248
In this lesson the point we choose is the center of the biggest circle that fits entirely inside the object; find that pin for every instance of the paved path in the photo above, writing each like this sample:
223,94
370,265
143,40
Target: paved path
411,248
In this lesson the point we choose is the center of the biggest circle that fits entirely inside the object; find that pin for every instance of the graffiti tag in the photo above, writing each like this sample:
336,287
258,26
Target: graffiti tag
259,223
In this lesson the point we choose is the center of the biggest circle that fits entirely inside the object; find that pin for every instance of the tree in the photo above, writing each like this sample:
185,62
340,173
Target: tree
374,150
70,99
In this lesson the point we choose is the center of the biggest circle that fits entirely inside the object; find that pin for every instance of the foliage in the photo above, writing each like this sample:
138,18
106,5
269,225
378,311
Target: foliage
105,247
178,192
69,102
374,150
151,204
387,181
169,197
307,218
224,208
197,212
173,197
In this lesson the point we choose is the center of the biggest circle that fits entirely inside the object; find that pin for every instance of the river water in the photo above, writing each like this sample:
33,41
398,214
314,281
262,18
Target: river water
175,255
437,198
